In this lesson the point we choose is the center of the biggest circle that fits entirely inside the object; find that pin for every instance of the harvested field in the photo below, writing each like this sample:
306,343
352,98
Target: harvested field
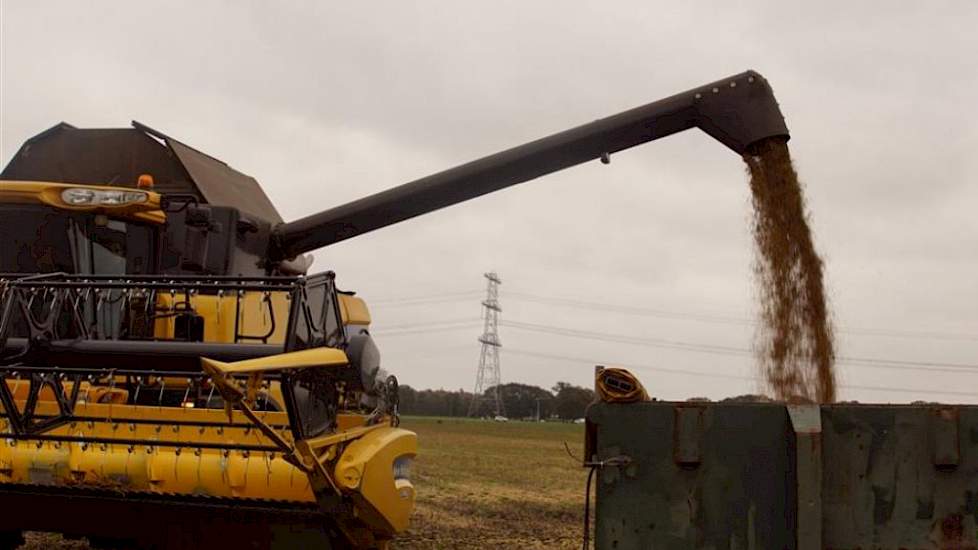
496,485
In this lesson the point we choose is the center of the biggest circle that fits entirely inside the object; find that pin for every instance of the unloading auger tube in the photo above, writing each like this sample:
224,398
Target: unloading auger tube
738,111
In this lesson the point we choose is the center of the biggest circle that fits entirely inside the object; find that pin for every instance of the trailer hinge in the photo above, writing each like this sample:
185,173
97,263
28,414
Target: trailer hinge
947,444
687,432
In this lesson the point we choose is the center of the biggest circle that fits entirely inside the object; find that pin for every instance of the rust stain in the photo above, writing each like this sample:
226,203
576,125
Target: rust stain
948,413
951,534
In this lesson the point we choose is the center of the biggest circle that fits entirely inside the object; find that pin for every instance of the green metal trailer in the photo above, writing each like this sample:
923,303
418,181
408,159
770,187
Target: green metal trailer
743,475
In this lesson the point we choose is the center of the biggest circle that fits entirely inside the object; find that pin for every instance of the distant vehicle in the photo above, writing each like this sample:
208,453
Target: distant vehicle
578,421
500,419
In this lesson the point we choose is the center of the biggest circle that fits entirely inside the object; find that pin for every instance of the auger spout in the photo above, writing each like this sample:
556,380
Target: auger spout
737,111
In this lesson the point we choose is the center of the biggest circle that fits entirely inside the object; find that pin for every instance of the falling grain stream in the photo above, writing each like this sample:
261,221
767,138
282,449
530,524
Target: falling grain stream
794,339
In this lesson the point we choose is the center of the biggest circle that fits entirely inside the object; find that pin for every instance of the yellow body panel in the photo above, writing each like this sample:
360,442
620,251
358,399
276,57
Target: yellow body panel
50,194
157,468
315,357
353,310
19,389
253,315
365,469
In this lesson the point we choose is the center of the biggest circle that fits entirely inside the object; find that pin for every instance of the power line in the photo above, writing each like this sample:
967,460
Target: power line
910,390
726,376
895,364
631,310
637,367
723,319
387,328
465,323
426,329
666,314
663,314
654,342
899,364
428,299
427,356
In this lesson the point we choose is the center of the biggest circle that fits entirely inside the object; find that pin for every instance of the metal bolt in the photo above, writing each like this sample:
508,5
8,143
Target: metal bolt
716,90
733,84
698,95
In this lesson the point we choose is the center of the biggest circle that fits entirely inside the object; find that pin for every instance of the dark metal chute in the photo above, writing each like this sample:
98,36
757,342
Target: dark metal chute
737,111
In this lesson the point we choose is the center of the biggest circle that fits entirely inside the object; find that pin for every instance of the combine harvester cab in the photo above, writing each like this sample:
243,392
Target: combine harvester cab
164,384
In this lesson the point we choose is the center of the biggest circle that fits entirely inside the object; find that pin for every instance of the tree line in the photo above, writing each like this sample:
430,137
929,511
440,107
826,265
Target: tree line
564,401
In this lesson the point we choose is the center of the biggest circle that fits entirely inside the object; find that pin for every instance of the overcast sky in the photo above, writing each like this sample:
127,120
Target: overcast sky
327,103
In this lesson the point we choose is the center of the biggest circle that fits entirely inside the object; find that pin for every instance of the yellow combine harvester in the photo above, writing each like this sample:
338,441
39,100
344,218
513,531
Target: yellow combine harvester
152,398
171,375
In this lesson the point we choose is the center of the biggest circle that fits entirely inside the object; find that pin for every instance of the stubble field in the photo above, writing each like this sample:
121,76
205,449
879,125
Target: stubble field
487,484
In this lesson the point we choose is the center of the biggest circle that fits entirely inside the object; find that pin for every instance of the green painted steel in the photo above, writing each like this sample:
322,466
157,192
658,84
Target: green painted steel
741,475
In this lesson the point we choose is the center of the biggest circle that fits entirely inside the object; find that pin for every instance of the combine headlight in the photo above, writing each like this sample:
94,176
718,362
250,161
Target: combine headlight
77,196
402,468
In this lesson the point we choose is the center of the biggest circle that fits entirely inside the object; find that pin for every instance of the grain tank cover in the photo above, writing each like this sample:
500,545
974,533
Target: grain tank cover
117,156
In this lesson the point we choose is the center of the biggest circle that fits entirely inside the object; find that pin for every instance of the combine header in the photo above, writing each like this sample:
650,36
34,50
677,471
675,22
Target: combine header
200,402
172,376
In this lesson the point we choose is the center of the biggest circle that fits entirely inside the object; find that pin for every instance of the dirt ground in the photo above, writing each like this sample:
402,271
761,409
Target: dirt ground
496,485
480,485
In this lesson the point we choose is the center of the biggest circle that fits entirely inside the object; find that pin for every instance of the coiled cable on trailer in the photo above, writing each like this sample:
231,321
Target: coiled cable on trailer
616,385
